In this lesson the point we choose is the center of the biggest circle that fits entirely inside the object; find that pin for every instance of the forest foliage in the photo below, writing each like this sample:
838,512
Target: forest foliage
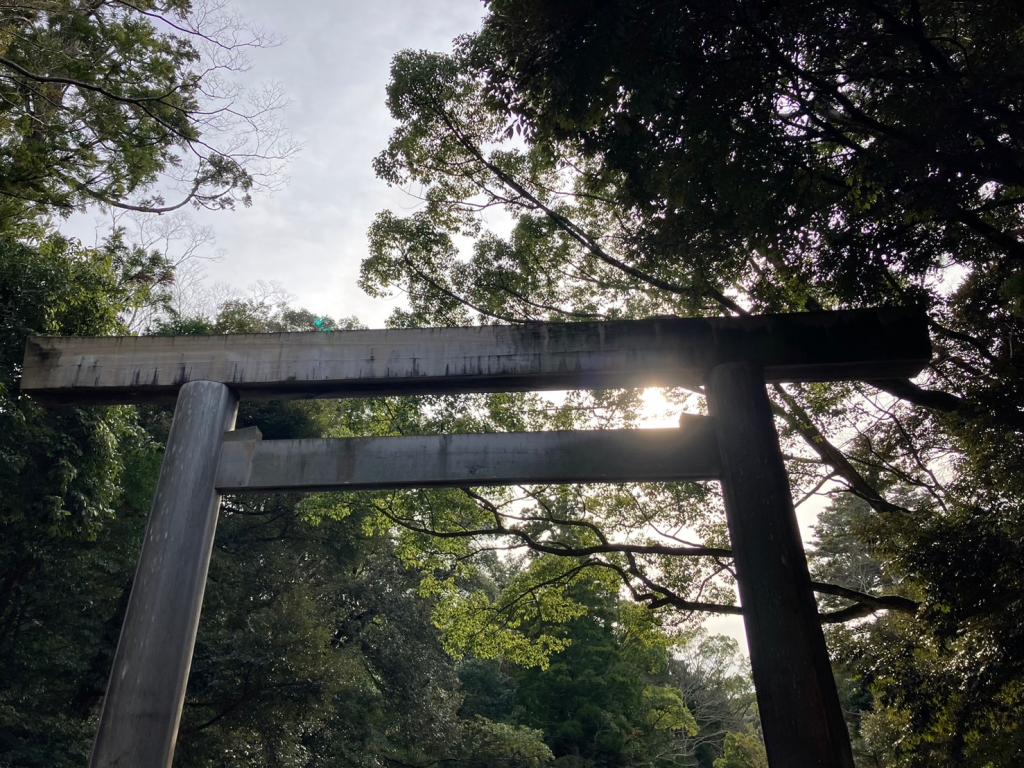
322,643
697,158
733,157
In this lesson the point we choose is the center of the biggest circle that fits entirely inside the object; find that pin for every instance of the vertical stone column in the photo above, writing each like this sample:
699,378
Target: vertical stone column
142,708
796,693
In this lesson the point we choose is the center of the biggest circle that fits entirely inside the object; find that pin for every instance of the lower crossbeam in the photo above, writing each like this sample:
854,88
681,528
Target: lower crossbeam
367,463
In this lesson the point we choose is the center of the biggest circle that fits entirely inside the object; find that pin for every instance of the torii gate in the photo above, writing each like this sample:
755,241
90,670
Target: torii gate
737,444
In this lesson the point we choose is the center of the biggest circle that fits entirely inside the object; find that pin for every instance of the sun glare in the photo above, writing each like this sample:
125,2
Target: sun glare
657,411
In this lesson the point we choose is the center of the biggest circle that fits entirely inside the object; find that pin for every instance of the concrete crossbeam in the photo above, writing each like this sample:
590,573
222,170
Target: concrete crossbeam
817,346
599,456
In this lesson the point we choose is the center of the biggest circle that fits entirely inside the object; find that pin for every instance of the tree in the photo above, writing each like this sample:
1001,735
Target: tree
742,750
124,103
621,691
714,680
487,743
601,701
714,158
921,694
113,104
70,496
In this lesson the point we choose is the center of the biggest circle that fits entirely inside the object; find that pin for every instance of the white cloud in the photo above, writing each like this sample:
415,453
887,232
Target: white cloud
310,237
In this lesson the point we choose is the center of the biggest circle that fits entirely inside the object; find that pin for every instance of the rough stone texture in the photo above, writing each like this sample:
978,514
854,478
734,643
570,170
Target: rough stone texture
142,707
603,456
818,346
796,694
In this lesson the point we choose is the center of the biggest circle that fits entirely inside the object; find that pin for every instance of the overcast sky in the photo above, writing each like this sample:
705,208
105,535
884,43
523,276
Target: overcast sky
310,236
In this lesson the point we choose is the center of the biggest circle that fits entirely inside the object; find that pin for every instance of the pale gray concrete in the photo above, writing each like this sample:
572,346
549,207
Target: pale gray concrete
598,456
142,708
666,351
796,694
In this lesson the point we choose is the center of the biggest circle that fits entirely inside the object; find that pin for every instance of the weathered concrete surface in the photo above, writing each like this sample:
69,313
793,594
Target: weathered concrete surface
796,694
142,708
637,455
541,356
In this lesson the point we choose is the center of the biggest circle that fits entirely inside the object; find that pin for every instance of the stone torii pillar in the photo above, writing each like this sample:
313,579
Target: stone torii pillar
142,707
796,692
738,445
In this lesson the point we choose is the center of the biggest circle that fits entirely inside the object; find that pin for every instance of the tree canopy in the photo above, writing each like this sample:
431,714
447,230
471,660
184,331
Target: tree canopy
129,105
573,160
629,158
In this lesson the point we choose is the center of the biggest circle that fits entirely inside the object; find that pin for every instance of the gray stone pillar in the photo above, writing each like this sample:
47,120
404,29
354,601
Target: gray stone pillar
142,708
796,693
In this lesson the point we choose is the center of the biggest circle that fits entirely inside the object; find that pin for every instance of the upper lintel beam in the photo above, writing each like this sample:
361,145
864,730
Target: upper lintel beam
663,351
